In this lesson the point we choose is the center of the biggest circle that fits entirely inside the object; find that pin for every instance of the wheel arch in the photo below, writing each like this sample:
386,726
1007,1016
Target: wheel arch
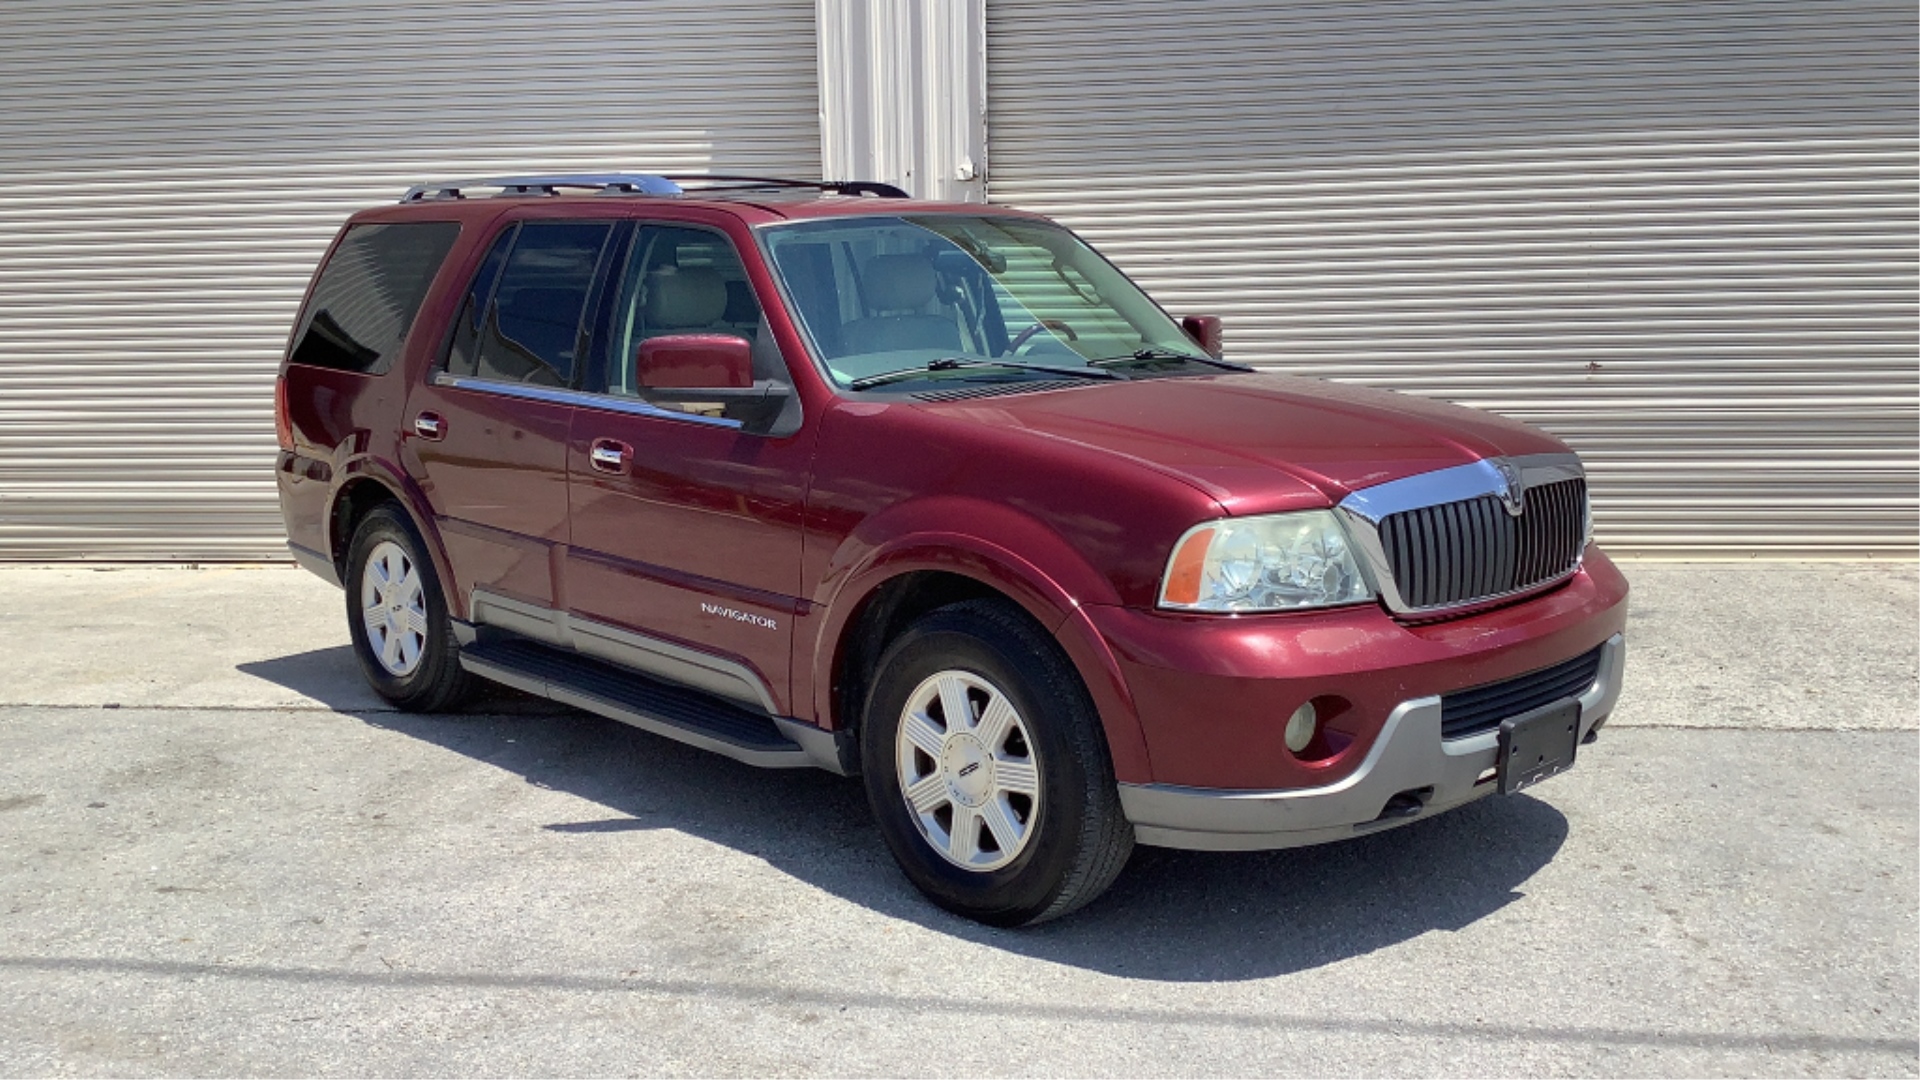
366,484
915,576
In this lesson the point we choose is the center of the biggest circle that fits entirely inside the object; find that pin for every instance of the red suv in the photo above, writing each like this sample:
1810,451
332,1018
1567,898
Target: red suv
818,475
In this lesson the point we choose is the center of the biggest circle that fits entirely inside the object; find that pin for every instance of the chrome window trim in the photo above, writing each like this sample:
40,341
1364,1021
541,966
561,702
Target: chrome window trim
1363,511
563,396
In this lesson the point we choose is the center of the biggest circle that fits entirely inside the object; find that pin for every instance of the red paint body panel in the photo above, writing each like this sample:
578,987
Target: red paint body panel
1260,443
329,414
497,482
1099,523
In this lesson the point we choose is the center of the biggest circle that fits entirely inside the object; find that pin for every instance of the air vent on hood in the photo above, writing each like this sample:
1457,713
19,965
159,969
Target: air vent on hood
998,389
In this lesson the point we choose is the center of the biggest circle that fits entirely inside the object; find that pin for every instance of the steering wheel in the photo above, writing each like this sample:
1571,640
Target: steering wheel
1056,325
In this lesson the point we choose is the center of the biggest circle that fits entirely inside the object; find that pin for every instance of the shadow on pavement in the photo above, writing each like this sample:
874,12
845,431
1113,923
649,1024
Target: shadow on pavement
1172,915
332,678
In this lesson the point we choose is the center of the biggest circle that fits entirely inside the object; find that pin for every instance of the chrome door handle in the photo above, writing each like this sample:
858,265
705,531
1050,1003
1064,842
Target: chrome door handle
608,456
429,426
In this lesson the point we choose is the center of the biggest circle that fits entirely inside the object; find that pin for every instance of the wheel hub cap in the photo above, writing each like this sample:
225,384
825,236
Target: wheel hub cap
393,603
967,770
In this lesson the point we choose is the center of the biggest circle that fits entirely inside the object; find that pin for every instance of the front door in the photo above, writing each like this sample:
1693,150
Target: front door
686,529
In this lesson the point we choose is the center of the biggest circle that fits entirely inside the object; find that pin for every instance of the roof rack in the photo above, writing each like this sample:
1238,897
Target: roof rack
642,184
623,183
721,182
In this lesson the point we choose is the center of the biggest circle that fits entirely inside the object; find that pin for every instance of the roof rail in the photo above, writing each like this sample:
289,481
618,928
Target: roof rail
722,182
625,183
641,184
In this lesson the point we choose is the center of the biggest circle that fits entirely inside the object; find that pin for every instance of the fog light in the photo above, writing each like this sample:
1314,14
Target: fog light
1301,726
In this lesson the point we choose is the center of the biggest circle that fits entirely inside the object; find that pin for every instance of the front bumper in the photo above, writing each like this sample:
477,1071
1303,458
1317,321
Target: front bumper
1409,773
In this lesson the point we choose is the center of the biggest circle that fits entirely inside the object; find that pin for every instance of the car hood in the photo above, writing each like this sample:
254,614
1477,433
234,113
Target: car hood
1261,442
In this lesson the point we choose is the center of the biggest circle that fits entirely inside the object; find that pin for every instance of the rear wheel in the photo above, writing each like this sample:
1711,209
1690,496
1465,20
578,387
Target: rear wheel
987,770
397,616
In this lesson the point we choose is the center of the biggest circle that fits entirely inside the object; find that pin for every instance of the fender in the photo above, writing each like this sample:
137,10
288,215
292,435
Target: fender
366,467
1023,559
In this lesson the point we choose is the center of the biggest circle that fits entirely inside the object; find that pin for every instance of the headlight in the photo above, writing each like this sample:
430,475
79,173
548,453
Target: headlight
1273,563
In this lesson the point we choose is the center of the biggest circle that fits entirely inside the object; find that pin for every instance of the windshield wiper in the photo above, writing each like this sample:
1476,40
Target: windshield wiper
954,363
1154,352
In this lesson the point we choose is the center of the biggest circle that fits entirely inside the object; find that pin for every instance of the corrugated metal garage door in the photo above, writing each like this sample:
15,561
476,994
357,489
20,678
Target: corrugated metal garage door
1682,235
171,171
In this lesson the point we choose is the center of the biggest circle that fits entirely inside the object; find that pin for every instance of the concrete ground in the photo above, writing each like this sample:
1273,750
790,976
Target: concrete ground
219,853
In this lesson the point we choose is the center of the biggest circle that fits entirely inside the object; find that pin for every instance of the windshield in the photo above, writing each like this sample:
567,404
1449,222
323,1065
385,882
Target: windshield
879,295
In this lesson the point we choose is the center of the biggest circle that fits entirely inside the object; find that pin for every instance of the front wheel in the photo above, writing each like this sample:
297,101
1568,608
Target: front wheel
398,617
987,770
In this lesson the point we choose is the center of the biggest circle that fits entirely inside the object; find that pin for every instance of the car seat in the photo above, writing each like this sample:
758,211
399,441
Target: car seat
903,285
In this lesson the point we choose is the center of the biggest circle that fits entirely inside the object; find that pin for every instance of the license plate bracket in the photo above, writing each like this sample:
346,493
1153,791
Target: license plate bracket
1540,744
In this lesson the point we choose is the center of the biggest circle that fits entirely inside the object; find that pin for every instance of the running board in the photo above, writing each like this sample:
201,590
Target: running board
687,716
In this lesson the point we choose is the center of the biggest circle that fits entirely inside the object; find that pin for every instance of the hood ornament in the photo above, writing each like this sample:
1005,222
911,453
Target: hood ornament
1512,490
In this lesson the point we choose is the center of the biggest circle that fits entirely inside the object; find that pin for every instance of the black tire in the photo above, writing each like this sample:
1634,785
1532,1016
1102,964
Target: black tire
436,682
1079,838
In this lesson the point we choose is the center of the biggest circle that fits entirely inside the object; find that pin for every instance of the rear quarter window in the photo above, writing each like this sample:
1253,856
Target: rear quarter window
368,294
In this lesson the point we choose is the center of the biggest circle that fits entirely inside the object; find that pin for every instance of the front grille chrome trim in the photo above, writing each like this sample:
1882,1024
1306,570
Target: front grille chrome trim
1471,499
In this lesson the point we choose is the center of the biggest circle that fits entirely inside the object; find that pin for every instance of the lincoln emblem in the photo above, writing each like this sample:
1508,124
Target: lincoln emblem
1512,490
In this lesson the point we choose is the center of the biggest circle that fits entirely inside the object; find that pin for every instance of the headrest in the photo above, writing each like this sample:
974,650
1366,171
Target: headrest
898,282
685,296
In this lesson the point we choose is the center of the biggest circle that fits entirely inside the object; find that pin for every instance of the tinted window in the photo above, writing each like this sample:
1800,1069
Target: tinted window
463,357
368,294
532,327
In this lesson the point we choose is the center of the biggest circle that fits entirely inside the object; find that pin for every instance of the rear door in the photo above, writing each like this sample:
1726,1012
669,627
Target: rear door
488,431
685,555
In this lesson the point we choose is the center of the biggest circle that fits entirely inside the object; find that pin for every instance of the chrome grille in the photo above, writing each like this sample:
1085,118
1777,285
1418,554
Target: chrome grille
1459,552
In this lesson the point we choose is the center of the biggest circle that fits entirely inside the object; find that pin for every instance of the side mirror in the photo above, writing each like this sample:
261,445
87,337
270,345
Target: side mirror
694,361
715,370
1205,332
